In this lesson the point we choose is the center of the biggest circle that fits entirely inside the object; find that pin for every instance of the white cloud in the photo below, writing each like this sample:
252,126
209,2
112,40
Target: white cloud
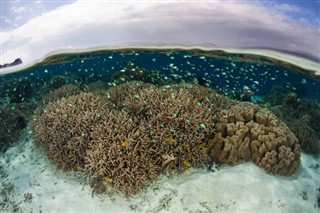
15,9
89,24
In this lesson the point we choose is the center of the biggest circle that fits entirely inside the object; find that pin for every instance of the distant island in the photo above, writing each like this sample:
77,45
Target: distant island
16,62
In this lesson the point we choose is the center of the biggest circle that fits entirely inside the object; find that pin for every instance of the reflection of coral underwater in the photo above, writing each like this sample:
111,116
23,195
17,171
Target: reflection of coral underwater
134,132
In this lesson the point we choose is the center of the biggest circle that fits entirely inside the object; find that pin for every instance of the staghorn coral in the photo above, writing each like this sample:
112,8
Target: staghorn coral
97,88
119,153
119,93
62,92
152,130
247,132
63,128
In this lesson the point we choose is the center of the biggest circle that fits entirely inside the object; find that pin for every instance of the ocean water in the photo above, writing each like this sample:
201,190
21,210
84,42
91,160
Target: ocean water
197,88
216,69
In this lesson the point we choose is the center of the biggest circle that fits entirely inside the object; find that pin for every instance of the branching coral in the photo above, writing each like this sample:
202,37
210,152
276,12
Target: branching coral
120,93
147,131
120,153
62,92
63,128
151,130
247,132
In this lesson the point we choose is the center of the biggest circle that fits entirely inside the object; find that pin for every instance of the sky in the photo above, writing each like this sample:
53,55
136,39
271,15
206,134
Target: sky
31,29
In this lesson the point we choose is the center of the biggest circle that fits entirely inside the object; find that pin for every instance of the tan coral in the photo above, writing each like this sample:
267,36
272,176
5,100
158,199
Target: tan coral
62,92
151,130
63,128
247,132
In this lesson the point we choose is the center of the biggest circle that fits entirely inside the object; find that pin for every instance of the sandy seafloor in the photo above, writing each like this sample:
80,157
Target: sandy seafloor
30,183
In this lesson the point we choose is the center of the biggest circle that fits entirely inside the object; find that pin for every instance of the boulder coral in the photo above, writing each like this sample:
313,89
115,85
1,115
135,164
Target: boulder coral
246,132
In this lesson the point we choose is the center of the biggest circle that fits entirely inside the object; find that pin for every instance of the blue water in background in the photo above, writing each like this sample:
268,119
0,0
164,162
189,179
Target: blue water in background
223,73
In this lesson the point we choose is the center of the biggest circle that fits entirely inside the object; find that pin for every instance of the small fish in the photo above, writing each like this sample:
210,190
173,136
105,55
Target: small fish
152,176
202,146
107,180
186,163
125,143
185,145
171,140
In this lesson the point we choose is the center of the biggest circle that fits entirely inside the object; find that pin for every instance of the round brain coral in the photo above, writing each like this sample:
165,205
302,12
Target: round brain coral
247,132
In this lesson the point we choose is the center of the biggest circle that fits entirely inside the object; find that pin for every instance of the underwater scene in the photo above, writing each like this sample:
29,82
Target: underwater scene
160,130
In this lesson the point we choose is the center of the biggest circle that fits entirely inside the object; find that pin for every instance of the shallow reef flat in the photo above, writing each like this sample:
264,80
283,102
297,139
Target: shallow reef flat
160,130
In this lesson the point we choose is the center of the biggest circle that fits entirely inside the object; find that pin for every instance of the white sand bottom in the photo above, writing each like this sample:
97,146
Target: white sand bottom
30,183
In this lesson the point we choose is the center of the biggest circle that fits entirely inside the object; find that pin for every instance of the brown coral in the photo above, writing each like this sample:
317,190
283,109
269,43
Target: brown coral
247,132
62,92
63,128
151,130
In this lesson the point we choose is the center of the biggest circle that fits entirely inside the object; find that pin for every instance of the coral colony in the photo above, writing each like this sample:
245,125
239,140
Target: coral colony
136,131
127,127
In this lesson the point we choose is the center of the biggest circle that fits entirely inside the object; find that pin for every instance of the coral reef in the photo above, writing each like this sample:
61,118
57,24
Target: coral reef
302,117
133,132
12,121
128,140
62,92
57,81
153,130
63,128
280,92
118,94
18,90
97,88
131,72
247,132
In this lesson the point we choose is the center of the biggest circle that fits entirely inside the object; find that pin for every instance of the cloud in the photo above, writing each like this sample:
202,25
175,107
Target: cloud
85,24
15,9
